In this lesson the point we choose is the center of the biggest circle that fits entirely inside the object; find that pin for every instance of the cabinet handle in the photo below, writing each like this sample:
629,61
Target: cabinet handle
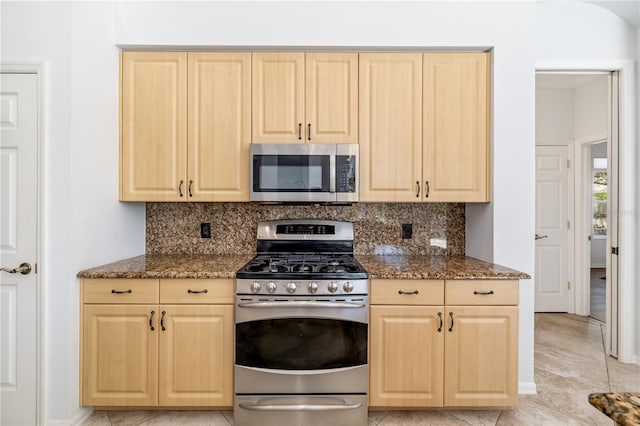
408,292
151,320
197,291
299,131
451,316
180,187
309,131
441,322
114,291
426,185
483,293
162,320
417,188
190,185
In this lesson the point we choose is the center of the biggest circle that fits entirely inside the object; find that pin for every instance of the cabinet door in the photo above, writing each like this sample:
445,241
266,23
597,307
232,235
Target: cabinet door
196,355
406,358
219,126
153,143
331,97
277,97
481,366
120,355
390,126
456,127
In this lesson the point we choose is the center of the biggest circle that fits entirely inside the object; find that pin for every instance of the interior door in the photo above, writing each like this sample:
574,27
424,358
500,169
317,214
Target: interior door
552,230
18,245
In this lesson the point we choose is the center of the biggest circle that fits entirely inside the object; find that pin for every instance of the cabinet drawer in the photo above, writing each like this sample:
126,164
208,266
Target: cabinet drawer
116,290
197,291
407,292
481,292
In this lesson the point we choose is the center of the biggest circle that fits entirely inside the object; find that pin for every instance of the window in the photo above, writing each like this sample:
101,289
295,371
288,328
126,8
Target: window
599,199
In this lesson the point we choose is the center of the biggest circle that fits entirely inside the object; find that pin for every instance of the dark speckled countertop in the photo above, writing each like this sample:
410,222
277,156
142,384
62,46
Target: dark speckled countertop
623,408
383,267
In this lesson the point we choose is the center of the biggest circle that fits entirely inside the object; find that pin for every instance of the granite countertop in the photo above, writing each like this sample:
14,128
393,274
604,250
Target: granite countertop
171,266
623,408
435,267
219,266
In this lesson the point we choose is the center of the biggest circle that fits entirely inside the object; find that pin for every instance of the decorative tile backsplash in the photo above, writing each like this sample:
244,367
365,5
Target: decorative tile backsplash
438,228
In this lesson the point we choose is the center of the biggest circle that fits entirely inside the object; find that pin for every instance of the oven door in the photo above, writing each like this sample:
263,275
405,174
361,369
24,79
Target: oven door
310,347
293,173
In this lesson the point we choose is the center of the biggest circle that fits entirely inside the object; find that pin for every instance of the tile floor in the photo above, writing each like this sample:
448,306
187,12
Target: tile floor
598,293
569,364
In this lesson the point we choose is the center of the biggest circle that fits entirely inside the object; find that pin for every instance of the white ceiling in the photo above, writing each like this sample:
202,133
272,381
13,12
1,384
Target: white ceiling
565,81
629,10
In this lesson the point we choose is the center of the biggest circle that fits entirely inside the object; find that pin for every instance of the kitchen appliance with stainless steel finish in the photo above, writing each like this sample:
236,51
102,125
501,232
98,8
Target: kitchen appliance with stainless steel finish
304,173
302,314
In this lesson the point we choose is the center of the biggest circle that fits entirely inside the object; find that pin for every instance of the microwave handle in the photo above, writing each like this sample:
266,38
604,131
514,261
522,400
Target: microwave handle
332,173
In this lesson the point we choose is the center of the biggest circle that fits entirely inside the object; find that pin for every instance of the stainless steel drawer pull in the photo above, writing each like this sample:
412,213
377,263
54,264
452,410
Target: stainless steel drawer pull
114,291
483,293
301,304
408,292
300,407
205,291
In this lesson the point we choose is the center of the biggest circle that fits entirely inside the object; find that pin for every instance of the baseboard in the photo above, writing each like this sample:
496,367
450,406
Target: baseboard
83,414
527,388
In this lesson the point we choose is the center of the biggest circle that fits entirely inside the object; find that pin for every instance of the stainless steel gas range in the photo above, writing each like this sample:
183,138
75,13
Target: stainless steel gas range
302,314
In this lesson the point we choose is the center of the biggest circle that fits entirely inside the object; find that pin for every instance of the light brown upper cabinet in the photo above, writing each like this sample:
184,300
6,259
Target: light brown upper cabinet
153,142
390,126
424,127
456,127
185,131
305,97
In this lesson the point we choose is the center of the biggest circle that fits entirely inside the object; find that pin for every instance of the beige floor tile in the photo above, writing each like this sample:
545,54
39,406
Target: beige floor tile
376,417
477,417
228,415
529,412
421,418
193,418
132,418
97,418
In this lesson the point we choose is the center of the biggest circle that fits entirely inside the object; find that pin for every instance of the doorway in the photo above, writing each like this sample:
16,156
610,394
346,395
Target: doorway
578,111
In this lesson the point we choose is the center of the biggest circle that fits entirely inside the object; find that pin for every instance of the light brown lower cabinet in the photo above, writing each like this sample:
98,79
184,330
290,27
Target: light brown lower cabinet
428,349
177,351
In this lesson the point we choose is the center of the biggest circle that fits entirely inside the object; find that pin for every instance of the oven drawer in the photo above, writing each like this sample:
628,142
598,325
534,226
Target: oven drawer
308,410
481,292
407,292
197,291
120,291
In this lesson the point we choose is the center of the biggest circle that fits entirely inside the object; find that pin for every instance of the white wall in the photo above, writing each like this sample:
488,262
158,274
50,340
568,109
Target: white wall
554,114
596,40
84,224
591,111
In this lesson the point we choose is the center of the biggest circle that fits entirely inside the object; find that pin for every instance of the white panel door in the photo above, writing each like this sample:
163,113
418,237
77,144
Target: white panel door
18,232
552,234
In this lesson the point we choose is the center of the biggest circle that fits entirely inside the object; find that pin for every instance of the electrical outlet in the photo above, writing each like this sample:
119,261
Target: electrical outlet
407,231
205,230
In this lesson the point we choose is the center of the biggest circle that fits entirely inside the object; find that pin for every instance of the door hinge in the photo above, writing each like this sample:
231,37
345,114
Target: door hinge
568,164
614,250
568,224
568,285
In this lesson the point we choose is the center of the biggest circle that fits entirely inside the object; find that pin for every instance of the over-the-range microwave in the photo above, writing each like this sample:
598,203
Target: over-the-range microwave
304,173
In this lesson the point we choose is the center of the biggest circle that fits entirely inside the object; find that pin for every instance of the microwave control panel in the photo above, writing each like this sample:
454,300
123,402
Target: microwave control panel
345,173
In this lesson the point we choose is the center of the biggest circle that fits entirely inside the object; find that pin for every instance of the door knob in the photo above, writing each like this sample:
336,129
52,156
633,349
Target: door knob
539,237
23,269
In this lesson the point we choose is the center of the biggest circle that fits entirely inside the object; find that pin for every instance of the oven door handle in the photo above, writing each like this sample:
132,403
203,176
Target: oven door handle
300,407
302,304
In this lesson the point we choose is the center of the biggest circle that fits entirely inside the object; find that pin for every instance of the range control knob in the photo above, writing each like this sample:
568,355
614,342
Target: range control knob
291,287
255,287
271,287
313,287
332,287
348,287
